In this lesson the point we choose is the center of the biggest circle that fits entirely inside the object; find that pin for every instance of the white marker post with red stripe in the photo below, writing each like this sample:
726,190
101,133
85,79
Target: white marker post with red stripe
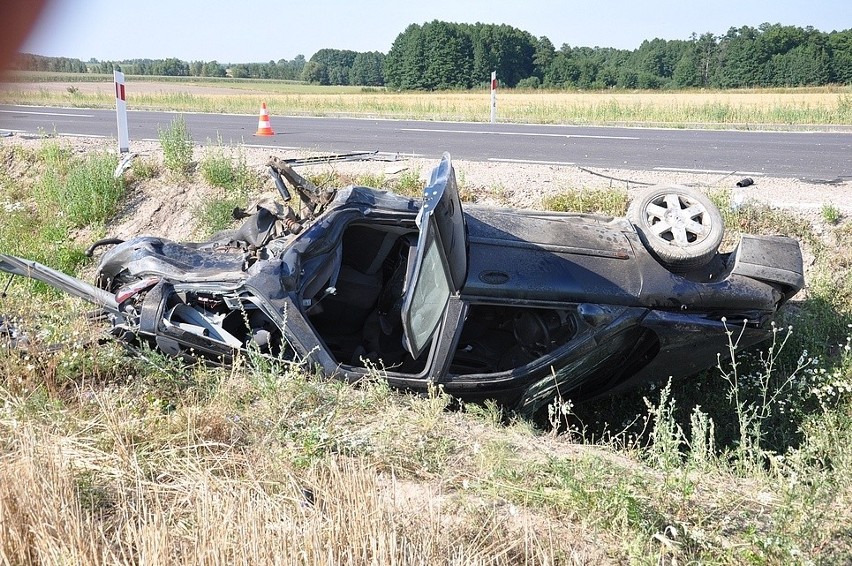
121,117
121,112
493,96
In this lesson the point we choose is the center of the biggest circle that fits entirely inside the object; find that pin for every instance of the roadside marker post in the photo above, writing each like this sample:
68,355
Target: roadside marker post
121,112
493,97
125,157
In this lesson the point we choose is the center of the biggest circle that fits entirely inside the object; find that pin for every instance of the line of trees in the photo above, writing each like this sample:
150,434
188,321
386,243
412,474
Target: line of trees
281,70
30,62
441,55
172,67
344,67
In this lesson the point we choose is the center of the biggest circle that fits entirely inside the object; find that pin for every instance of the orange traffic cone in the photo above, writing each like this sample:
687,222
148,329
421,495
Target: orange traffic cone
264,128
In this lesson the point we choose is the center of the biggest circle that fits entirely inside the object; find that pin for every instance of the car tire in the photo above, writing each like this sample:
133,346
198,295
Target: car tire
680,226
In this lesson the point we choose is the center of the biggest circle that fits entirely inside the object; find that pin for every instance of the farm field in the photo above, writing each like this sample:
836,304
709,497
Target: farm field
796,108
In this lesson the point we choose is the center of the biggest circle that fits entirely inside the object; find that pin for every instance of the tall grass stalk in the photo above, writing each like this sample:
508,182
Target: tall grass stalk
753,413
666,438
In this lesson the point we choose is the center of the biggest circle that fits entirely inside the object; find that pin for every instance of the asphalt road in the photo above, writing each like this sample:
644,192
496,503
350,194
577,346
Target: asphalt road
782,154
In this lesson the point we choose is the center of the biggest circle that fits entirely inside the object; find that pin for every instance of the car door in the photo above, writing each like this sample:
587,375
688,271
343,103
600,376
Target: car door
438,264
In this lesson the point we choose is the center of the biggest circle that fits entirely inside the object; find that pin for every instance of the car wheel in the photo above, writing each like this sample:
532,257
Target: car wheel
679,225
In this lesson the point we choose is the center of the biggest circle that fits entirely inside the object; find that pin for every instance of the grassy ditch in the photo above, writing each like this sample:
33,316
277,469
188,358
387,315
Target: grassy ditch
60,194
111,458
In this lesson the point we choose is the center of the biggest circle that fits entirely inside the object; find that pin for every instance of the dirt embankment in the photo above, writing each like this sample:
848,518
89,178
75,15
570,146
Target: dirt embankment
165,207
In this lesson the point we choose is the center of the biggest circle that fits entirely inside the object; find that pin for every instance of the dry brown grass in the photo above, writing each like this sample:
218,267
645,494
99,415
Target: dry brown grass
730,108
100,482
61,503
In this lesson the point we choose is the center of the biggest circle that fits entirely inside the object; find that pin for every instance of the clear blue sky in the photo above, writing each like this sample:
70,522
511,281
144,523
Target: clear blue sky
263,30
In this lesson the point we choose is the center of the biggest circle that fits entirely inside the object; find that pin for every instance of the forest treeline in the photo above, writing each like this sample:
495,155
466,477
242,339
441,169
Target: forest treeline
441,55
281,70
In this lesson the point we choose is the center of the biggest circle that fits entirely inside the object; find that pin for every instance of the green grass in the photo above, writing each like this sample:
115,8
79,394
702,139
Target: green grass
371,180
217,214
58,193
65,192
755,218
88,193
235,181
830,213
410,184
611,202
407,183
176,143
46,240
228,173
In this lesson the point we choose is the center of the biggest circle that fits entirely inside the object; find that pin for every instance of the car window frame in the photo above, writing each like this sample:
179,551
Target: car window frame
427,294
442,242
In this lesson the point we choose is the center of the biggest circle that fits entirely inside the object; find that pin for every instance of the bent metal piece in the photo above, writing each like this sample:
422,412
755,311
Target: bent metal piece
61,281
312,196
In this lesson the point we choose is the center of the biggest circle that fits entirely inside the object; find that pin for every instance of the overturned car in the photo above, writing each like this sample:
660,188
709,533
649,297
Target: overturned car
518,306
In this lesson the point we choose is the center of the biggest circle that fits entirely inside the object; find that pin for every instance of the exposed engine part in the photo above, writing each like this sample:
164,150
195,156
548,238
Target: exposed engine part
279,184
292,225
314,199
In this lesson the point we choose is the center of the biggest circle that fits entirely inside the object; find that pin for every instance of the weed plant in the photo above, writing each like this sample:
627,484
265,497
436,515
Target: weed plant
377,181
176,143
611,202
410,184
830,213
218,171
26,233
235,181
231,174
89,193
68,192
82,190
143,169
54,157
